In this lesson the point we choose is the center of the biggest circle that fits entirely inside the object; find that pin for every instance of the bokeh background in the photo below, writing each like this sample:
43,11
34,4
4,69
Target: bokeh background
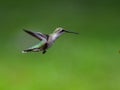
88,61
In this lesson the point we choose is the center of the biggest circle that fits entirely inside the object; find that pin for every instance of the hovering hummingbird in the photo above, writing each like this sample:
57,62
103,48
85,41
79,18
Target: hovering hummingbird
46,40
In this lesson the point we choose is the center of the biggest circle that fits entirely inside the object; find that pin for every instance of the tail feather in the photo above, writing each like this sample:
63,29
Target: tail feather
28,50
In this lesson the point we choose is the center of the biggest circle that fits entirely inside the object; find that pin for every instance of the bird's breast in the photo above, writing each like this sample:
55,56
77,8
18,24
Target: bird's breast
54,37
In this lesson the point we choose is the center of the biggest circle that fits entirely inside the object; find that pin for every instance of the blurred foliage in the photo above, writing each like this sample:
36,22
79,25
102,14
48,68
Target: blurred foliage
88,61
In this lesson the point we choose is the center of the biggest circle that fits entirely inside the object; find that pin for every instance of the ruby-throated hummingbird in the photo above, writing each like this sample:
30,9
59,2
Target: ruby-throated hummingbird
46,40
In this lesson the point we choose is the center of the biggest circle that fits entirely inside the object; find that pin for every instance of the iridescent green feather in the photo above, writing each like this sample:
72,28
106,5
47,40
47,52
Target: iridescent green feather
38,45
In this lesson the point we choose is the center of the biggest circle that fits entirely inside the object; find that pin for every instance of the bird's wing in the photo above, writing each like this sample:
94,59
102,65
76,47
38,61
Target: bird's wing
37,35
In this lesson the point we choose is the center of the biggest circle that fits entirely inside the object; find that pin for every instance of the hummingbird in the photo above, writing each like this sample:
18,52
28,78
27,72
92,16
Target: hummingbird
46,40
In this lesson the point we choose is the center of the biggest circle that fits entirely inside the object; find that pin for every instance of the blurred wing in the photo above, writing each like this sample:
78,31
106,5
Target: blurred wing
37,35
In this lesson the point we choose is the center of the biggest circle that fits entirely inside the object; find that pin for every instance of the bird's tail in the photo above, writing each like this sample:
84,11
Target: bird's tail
27,50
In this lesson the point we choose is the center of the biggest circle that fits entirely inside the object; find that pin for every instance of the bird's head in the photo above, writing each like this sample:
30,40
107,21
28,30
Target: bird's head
61,30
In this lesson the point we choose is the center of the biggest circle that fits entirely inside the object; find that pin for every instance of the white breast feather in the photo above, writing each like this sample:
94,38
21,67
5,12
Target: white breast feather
54,36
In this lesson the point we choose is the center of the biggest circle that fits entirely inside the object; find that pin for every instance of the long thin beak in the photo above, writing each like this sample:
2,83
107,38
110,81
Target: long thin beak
71,32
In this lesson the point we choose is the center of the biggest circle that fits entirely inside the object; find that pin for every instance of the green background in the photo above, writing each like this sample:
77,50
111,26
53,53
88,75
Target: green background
88,61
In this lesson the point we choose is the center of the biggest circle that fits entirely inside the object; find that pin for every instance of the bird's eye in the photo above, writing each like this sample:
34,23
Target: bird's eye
62,30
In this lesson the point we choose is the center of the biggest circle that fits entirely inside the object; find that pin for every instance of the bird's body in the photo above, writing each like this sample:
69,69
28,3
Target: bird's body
46,41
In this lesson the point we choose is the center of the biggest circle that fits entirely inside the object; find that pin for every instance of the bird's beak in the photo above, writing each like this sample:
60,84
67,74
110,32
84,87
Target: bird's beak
71,32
